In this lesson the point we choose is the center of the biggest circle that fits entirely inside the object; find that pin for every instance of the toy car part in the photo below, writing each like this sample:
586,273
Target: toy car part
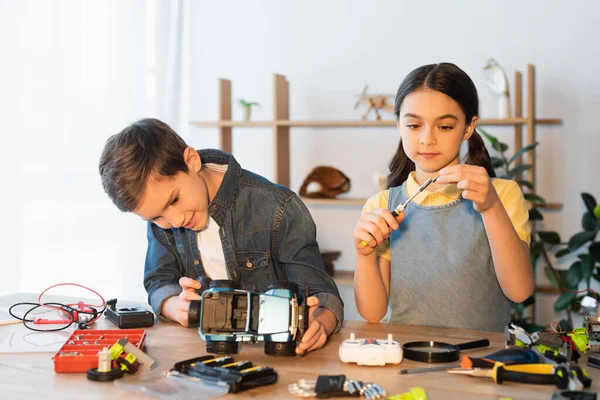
370,351
228,314
224,372
128,316
336,386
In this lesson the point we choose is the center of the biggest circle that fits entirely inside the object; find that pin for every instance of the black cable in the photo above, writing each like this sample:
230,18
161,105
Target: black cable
70,311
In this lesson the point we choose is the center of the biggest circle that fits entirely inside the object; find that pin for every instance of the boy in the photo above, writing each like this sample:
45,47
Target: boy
209,217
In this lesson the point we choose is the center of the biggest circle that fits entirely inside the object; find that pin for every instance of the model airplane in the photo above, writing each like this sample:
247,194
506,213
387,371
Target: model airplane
374,102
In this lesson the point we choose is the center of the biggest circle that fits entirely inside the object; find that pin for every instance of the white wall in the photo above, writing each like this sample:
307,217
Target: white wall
72,74
330,49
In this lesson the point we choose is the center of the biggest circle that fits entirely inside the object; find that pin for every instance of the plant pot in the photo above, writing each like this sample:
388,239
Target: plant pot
247,113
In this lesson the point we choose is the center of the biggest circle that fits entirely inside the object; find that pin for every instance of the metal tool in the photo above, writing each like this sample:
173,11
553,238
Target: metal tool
439,352
403,205
513,356
537,374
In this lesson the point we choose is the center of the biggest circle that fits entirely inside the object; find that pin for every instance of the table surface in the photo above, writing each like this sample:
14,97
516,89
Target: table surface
31,375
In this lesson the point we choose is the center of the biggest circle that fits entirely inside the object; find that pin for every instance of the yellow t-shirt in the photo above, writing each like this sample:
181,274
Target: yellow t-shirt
508,191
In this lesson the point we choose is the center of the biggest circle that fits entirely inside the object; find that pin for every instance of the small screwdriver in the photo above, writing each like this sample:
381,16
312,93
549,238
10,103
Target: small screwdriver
402,206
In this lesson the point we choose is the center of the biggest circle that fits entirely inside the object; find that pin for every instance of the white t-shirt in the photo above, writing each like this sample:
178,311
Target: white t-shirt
209,242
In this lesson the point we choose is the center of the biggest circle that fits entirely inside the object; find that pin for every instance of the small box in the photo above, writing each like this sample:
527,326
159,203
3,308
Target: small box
80,351
128,317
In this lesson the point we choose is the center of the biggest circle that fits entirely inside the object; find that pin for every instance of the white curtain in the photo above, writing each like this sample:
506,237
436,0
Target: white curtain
73,73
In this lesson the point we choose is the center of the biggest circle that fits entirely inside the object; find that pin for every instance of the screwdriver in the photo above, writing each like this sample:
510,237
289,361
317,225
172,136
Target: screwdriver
402,206
507,356
538,374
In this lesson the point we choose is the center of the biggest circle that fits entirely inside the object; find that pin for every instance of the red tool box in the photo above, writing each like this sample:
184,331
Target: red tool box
80,351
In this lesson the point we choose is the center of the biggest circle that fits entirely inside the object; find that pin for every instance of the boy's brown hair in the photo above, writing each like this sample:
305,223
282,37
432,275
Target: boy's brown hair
147,147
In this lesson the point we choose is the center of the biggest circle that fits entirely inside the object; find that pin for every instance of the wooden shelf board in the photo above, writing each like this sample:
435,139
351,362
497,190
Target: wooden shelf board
549,206
356,123
547,289
238,124
343,277
331,202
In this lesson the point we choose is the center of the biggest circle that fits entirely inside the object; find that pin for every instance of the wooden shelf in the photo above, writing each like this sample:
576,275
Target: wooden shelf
361,202
237,124
343,277
336,202
355,123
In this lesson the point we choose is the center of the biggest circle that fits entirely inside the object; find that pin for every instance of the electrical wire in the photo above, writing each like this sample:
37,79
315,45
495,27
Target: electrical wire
70,312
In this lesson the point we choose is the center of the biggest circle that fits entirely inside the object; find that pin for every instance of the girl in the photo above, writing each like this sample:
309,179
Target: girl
459,251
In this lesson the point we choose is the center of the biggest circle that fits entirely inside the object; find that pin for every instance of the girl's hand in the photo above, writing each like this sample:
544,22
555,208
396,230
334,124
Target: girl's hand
373,228
475,183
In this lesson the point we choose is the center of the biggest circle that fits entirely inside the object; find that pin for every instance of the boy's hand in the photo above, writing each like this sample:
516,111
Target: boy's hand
176,308
373,228
475,183
318,327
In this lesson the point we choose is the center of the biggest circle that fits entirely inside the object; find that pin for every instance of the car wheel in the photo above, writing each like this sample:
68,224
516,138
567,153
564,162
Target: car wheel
280,348
222,347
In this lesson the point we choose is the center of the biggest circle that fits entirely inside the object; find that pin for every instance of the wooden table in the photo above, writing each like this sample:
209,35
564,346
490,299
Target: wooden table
32,376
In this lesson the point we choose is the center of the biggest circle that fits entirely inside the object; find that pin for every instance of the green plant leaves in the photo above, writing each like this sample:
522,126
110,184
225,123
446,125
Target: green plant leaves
496,144
574,275
562,252
594,251
590,201
587,266
517,170
564,300
534,198
527,184
535,215
497,162
549,237
535,252
588,221
522,151
579,239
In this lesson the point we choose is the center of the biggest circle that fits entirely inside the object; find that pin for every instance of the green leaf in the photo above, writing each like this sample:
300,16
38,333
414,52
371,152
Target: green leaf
522,151
587,266
534,198
574,275
588,221
550,276
535,215
500,147
497,162
594,251
527,184
579,239
563,301
489,137
590,201
549,237
562,252
517,170
576,304
534,253
529,301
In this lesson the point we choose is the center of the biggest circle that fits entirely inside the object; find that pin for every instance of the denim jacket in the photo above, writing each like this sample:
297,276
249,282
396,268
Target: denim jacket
267,235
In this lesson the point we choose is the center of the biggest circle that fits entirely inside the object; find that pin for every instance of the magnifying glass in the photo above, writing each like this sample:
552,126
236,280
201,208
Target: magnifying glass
439,352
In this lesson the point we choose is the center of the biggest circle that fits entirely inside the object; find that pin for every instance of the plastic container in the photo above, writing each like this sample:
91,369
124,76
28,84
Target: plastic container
80,351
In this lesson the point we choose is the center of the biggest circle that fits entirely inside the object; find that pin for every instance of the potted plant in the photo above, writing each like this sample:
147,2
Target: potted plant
507,168
248,108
